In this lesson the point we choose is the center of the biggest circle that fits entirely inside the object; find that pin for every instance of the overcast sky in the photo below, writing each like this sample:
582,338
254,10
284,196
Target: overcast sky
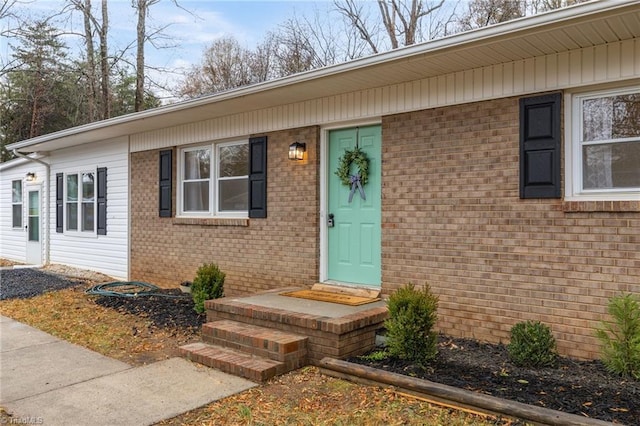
192,26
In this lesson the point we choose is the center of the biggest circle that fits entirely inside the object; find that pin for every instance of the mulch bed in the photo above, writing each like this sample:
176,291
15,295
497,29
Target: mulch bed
27,282
165,309
579,387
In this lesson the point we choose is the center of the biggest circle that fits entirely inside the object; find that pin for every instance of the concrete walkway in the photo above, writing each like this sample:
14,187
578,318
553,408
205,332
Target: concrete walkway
45,380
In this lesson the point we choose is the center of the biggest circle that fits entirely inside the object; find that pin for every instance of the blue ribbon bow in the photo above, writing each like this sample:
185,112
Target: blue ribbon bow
356,185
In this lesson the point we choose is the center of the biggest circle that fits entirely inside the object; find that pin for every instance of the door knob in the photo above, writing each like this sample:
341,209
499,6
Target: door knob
330,222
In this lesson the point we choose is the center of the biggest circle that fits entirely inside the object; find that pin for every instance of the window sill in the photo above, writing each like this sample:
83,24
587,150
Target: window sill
600,206
79,234
226,221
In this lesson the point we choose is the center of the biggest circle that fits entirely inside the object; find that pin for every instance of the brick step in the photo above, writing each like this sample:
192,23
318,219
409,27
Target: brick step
230,361
261,341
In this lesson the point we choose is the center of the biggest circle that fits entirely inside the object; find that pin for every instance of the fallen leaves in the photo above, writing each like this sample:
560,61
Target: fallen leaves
306,397
72,315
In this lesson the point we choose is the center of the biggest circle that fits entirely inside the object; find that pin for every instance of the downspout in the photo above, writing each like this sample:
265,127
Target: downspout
47,187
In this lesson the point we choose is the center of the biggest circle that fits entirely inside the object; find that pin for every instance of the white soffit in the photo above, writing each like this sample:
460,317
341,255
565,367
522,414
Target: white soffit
582,26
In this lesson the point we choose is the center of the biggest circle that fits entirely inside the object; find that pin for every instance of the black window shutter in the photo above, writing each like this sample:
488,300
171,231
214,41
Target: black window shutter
258,177
540,143
166,164
101,198
59,202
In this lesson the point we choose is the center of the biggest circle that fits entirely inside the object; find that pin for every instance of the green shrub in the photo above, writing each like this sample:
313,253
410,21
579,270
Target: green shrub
208,284
621,338
379,355
412,316
532,345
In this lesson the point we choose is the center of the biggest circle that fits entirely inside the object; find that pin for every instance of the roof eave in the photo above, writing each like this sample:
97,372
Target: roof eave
505,30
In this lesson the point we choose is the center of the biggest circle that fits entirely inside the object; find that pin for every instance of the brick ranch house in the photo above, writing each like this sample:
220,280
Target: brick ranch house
504,171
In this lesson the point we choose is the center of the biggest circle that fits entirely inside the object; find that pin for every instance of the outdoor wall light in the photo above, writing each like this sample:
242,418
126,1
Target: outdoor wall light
296,150
31,177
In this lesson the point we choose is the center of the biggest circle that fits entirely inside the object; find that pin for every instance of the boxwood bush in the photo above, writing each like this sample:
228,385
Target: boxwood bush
532,345
412,317
208,284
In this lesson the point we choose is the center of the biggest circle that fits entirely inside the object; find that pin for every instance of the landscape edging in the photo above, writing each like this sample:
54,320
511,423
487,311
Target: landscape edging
452,396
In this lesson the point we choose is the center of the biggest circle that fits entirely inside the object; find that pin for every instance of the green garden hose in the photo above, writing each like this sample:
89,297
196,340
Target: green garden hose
128,289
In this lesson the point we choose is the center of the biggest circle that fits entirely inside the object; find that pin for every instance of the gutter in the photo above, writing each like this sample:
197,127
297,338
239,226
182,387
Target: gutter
47,186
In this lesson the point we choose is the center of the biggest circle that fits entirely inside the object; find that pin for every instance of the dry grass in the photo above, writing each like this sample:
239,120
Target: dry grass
304,397
73,316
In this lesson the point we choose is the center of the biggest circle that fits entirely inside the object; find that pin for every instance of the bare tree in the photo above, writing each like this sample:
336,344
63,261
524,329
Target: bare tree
142,7
538,6
355,14
157,38
481,13
400,20
313,41
91,60
225,65
98,84
105,83
263,59
6,15
293,52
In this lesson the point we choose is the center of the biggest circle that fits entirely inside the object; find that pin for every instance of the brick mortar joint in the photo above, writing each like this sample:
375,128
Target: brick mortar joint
601,206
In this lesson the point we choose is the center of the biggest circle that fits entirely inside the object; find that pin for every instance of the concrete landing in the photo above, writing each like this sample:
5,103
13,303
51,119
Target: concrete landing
274,299
333,330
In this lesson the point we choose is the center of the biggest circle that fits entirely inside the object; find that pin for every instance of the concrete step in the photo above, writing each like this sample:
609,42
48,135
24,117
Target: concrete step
230,361
269,343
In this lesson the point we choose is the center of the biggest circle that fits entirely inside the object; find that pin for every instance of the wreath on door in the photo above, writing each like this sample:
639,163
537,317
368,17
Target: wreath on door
358,180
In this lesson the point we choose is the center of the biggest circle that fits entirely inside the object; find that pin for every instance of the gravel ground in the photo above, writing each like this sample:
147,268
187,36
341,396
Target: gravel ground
28,282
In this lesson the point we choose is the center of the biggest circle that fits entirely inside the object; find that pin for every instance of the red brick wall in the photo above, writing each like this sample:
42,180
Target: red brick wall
281,250
452,217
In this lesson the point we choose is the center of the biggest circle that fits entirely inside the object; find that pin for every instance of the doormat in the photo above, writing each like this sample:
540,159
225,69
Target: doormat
325,296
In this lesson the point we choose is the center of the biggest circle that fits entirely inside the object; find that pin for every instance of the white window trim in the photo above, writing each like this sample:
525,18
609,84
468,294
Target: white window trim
79,232
573,151
180,178
21,204
213,212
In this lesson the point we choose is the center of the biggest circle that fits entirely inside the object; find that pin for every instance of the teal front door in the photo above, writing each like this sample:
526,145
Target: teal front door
354,226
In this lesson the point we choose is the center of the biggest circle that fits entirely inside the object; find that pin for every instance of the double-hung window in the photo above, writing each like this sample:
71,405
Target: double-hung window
16,203
605,148
214,180
80,202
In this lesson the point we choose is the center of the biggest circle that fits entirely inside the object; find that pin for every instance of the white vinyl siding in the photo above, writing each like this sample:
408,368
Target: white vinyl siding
13,240
616,61
103,253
